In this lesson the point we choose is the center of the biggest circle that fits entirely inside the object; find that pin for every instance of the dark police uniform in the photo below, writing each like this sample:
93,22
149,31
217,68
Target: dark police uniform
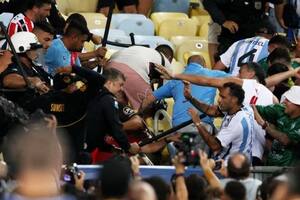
70,109
248,14
23,98
103,120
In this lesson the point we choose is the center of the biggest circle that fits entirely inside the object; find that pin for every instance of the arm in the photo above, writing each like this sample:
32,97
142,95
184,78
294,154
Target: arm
181,189
219,66
212,6
17,81
271,129
207,109
277,78
278,135
146,103
210,140
208,81
279,14
100,52
195,79
111,115
210,176
134,123
210,110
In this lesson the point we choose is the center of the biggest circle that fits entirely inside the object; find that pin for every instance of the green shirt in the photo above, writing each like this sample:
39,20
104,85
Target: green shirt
281,155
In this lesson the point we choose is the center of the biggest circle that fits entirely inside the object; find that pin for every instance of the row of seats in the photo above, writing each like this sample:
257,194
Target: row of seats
69,6
161,23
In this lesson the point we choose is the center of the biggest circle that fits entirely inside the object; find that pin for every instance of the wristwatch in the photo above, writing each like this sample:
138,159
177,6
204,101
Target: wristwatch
197,124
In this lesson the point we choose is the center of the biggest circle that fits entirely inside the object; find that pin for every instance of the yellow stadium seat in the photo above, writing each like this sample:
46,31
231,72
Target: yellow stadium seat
177,27
178,40
177,67
94,20
203,23
159,17
193,47
69,6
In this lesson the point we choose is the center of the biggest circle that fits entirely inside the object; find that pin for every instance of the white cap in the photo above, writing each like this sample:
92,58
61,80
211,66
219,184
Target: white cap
293,95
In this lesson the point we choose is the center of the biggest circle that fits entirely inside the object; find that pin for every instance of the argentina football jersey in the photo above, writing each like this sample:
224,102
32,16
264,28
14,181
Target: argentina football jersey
248,50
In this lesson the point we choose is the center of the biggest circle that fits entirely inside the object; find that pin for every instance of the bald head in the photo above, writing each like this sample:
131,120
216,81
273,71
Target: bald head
238,166
140,190
197,59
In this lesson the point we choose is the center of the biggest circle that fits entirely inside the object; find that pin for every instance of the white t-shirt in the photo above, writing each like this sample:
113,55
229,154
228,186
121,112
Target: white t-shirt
138,59
247,50
236,133
258,94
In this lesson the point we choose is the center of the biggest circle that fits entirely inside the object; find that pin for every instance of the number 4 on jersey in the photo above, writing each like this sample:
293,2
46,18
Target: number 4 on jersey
250,54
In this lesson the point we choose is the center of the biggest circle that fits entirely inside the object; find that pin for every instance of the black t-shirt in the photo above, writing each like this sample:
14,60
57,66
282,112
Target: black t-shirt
24,97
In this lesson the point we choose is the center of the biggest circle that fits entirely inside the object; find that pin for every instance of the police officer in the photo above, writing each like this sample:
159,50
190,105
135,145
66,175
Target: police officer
102,118
73,87
239,19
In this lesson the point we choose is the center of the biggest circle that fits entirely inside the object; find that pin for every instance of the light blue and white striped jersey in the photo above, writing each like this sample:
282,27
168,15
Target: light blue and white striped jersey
247,50
236,134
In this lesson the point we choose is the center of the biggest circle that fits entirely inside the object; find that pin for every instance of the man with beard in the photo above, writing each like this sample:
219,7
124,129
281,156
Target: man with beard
59,54
236,131
35,11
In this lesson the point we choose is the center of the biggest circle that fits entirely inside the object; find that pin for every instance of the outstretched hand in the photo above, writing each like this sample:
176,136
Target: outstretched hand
165,74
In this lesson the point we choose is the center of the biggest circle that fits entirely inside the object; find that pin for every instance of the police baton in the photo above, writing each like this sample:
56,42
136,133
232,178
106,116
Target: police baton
168,132
15,57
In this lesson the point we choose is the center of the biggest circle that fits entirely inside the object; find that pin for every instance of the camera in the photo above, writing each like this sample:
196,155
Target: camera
188,148
69,172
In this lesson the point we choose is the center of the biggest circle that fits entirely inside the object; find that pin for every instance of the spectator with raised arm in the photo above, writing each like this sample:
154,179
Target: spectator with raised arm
236,132
282,125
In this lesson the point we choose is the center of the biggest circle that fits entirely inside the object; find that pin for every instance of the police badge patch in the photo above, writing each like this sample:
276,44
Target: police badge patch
116,105
258,5
128,111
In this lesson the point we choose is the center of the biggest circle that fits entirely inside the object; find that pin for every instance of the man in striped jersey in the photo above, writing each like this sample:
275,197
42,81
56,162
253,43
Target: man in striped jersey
249,50
36,10
236,132
255,93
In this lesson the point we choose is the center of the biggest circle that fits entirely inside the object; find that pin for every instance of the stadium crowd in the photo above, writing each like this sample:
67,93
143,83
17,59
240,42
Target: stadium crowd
61,105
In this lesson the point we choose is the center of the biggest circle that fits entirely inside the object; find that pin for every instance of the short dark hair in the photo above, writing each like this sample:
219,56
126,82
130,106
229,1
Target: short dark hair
115,176
38,3
166,50
281,41
76,17
259,72
235,190
238,172
161,188
44,26
112,74
75,27
279,54
196,186
236,91
277,68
